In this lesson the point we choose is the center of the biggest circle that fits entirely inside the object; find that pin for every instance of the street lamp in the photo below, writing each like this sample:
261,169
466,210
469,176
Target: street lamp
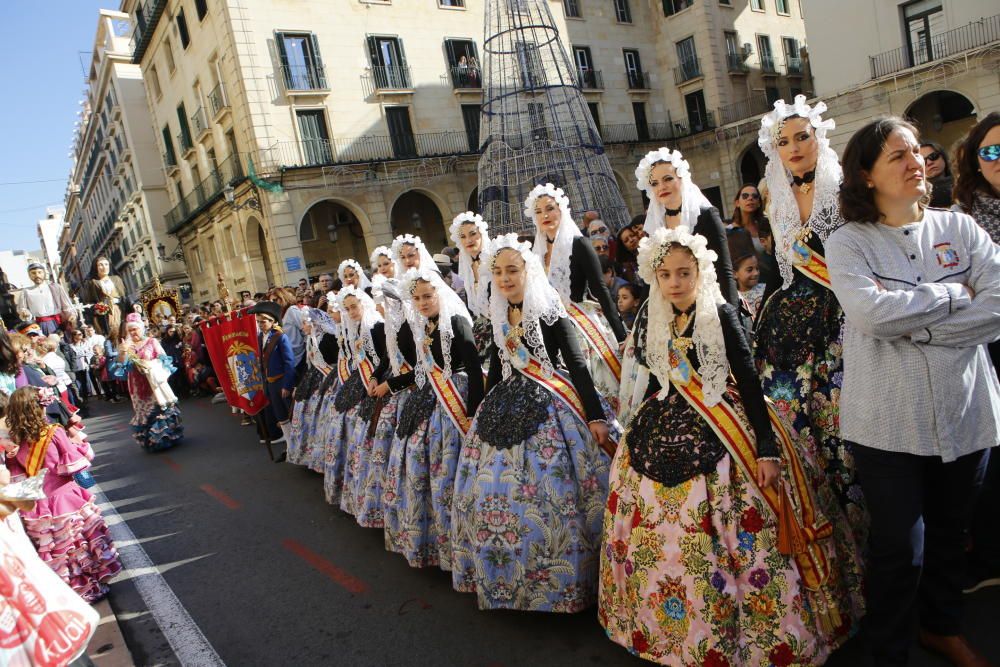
331,231
229,193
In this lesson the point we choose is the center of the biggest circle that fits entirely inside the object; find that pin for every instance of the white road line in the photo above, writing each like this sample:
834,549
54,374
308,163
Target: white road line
182,633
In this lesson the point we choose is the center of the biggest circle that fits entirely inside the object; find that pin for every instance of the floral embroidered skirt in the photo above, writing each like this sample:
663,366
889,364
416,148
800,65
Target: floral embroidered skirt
77,546
529,492
314,430
307,394
367,468
690,574
336,422
799,358
420,479
156,428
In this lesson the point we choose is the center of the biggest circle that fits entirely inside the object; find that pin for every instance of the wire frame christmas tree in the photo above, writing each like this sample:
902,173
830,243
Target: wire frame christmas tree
536,126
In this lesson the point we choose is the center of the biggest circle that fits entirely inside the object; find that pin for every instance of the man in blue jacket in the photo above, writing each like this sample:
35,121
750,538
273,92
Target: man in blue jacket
278,365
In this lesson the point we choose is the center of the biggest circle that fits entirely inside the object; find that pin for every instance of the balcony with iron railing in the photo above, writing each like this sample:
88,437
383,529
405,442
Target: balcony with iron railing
387,78
768,66
147,15
466,77
756,104
794,66
299,78
637,80
951,43
688,70
229,172
363,149
184,141
217,100
169,159
199,123
590,79
736,63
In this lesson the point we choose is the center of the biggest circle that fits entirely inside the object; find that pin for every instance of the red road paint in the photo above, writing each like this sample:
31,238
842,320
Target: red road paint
173,465
220,496
337,575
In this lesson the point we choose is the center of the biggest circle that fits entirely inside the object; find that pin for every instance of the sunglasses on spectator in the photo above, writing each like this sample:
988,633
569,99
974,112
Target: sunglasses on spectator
749,195
930,157
600,247
599,230
989,153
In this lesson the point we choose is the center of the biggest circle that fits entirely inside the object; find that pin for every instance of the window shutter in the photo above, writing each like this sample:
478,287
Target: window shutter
279,40
668,7
373,51
317,63
449,45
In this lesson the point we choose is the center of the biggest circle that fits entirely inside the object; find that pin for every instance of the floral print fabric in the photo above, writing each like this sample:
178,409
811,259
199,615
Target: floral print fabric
367,463
527,517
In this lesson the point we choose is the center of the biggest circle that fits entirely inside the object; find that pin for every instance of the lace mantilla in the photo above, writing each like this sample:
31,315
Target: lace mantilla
450,305
707,337
782,209
476,287
395,314
363,281
426,261
692,199
562,245
541,304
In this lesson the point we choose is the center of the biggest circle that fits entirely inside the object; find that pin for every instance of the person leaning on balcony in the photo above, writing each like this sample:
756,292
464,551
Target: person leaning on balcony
920,289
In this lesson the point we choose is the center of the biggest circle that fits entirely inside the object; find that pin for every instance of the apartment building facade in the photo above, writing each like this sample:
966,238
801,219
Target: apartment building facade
294,135
116,199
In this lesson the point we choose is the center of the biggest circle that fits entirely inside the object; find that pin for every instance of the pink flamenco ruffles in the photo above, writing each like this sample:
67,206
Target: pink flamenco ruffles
76,545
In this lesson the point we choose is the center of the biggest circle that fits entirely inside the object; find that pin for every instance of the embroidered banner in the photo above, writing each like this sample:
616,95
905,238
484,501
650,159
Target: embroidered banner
450,398
231,340
563,388
596,339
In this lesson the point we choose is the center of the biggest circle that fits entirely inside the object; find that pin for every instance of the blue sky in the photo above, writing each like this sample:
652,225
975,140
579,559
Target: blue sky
43,80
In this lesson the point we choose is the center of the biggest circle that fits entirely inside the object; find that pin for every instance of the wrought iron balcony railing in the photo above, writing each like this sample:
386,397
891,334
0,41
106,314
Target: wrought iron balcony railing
590,79
363,149
767,65
184,141
199,122
390,77
230,172
466,77
304,77
688,69
147,15
736,63
793,66
637,80
953,42
217,99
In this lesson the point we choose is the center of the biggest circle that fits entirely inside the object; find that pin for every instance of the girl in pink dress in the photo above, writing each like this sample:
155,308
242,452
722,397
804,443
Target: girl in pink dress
66,527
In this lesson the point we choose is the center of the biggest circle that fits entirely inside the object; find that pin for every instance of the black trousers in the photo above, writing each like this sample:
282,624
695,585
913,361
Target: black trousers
920,508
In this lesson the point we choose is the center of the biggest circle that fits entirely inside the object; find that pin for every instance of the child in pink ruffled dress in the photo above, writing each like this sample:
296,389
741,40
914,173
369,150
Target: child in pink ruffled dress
66,527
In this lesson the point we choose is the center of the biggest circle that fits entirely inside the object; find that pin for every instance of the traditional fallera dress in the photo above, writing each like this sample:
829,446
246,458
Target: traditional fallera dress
321,361
156,424
376,435
66,527
314,445
360,410
420,478
691,572
531,481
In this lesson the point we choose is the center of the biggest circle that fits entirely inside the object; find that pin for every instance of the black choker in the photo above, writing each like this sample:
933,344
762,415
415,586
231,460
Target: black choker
671,212
804,181
549,241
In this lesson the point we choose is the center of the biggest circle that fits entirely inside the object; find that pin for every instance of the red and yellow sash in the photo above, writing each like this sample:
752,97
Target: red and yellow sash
813,565
596,339
450,398
367,371
559,385
343,368
811,264
36,457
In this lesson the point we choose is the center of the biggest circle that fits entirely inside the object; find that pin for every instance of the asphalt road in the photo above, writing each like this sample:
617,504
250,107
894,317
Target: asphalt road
249,566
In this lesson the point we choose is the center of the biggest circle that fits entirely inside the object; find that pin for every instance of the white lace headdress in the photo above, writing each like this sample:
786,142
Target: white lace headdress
562,245
397,310
476,293
354,331
707,336
692,199
363,281
782,209
541,304
382,251
426,261
451,304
